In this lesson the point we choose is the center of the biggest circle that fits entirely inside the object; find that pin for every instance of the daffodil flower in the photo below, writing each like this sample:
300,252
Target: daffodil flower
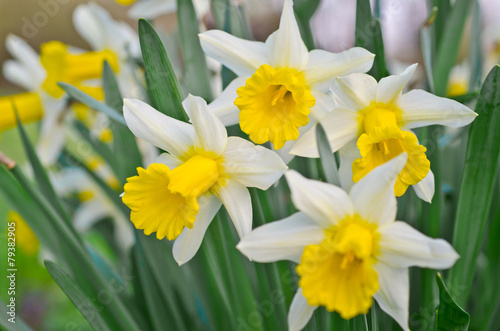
154,8
45,100
178,196
281,85
348,247
370,124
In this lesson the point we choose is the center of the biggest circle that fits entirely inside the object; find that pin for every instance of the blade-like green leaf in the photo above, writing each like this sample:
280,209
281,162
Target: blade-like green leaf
87,307
124,145
304,10
40,175
449,315
91,102
477,186
427,43
368,34
447,45
162,85
328,162
197,75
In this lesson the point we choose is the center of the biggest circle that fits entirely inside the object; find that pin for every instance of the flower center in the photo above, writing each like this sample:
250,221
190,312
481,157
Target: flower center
338,272
274,104
28,106
165,201
382,141
61,66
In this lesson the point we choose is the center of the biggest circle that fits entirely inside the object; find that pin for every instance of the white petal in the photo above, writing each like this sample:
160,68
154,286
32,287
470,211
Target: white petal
250,165
284,152
347,155
223,107
88,26
29,59
189,241
389,88
152,8
281,240
236,198
169,160
340,125
242,56
324,105
210,133
402,246
393,295
422,108
425,188
167,133
373,196
285,47
356,91
326,204
300,312
19,75
324,67
87,214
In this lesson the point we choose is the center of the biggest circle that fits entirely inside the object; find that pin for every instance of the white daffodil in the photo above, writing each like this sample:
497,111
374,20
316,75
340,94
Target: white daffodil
280,83
348,247
178,196
116,38
154,8
370,124
45,100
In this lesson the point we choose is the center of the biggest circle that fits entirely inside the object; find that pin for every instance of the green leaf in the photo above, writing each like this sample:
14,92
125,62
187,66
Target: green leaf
162,85
368,35
448,44
197,75
87,307
304,10
449,315
124,145
427,43
91,102
477,186
327,159
39,173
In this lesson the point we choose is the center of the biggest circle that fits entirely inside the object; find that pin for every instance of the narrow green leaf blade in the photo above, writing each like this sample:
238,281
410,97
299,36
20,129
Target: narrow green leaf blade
449,315
162,84
304,10
475,197
197,75
41,177
17,325
86,307
328,162
91,102
368,35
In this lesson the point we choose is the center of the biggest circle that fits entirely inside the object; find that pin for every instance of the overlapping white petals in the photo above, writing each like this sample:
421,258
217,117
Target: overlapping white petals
169,160
341,126
210,133
189,241
242,56
421,108
152,8
390,88
236,198
300,312
285,47
393,295
251,165
15,73
402,246
26,56
373,196
147,123
281,240
326,204
223,107
324,67
356,91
